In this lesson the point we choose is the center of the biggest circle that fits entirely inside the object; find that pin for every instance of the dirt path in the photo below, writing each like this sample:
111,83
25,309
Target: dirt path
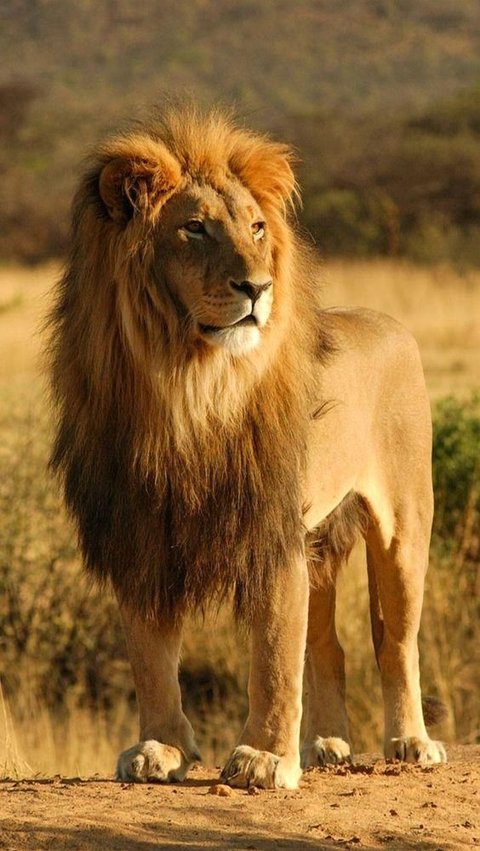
370,805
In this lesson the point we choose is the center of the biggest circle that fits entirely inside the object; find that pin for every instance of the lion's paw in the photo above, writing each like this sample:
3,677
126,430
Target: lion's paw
326,751
413,749
249,767
151,761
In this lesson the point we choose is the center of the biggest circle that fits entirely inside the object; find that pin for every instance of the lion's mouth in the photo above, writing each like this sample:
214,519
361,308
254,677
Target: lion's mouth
213,329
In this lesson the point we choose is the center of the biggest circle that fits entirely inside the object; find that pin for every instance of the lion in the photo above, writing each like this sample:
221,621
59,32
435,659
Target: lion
221,435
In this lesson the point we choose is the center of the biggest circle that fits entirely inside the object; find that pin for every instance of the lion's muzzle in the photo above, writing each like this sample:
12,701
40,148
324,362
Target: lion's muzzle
252,289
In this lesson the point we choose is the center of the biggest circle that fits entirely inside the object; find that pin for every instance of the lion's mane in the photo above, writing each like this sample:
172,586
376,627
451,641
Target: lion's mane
181,465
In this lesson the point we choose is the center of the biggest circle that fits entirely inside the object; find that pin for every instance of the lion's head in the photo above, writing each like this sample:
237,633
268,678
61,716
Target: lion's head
209,202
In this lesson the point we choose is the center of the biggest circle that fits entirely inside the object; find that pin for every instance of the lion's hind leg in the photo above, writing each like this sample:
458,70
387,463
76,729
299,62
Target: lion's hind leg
166,747
396,579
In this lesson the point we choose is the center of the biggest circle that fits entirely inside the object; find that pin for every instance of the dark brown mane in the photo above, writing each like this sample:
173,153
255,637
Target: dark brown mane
179,496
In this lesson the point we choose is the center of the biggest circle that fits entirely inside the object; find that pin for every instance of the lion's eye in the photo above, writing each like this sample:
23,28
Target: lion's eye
258,230
194,226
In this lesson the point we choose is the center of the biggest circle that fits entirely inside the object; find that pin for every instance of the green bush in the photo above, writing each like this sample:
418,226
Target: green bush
347,222
456,478
404,185
449,637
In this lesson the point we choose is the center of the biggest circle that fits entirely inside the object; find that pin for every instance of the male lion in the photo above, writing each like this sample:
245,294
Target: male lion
220,433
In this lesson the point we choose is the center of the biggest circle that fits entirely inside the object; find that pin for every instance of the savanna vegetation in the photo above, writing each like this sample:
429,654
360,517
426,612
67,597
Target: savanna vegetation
68,701
383,105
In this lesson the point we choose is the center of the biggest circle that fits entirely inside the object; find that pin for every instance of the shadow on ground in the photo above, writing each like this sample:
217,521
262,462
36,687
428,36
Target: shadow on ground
174,836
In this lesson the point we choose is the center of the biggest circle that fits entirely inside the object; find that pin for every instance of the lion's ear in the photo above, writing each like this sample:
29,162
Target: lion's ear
266,169
130,185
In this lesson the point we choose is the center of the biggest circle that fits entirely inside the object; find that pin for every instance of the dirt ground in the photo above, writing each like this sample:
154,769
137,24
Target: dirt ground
367,806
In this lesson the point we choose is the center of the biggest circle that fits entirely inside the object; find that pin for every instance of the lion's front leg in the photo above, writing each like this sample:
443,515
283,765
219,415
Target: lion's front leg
268,753
166,747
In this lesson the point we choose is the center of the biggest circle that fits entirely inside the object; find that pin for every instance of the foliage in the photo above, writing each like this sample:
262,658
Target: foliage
384,170
456,468
449,636
396,185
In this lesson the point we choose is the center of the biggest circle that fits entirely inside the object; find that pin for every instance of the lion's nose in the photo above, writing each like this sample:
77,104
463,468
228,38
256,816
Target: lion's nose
253,290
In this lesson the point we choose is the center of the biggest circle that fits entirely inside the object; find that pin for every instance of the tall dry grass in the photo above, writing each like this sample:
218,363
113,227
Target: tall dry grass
68,702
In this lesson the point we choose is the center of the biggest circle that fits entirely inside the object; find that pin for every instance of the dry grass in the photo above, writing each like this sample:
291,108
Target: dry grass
74,743
79,737
439,305
24,296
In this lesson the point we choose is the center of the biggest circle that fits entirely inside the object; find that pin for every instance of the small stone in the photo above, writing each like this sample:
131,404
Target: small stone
221,790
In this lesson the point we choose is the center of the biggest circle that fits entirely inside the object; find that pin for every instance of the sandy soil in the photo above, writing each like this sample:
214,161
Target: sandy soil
369,805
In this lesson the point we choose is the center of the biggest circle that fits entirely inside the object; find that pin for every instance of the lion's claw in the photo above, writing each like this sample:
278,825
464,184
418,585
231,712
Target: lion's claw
249,767
413,749
326,751
152,761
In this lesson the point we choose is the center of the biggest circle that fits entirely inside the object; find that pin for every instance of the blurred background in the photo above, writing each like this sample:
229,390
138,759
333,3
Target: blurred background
381,99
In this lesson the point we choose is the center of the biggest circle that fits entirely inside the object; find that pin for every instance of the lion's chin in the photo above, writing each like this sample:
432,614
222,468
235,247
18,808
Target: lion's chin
238,340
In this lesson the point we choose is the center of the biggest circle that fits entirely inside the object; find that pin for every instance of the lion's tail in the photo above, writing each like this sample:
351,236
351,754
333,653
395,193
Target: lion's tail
433,709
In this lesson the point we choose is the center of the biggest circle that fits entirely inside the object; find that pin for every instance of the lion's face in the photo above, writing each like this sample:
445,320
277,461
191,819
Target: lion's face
210,205
213,252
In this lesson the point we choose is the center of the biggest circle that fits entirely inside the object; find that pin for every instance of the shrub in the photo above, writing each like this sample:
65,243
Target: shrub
456,478
451,617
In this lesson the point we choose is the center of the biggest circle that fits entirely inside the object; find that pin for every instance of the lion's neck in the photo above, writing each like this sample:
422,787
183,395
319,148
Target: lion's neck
204,397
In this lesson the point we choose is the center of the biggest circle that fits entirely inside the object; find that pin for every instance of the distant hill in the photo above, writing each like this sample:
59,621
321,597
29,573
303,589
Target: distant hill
70,70
287,55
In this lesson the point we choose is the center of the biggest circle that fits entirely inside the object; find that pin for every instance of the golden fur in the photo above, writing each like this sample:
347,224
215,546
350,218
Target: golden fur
174,453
